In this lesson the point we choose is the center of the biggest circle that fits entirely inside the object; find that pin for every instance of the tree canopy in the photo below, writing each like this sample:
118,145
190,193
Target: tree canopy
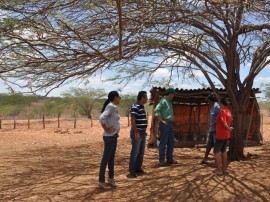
14,104
48,43
84,100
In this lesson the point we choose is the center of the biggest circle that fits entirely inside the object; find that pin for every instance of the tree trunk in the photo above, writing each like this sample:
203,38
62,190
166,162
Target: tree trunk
236,147
240,124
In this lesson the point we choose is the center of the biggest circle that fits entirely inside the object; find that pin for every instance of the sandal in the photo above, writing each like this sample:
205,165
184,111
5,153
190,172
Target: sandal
218,174
203,162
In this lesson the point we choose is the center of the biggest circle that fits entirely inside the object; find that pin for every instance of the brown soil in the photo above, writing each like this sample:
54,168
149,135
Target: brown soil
54,164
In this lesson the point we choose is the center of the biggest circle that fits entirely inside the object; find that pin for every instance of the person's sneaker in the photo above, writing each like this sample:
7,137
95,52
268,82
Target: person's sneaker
172,162
112,182
140,172
132,175
103,185
161,164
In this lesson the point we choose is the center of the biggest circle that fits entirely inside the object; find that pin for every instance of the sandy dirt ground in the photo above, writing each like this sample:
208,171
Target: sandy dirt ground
62,164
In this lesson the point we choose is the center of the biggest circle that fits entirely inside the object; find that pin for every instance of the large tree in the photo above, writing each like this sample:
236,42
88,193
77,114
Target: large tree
126,103
84,99
48,43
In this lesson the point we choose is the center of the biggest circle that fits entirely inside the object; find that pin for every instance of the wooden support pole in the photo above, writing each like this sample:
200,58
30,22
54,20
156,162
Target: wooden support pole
199,118
261,126
250,118
154,122
43,118
190,121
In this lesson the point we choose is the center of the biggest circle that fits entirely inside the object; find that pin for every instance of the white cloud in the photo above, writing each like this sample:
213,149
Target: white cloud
198,73
262,79
186,86
162,72
100,82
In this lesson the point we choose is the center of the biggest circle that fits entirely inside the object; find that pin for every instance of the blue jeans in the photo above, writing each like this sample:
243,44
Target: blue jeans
137,151
211,139
166,142
110,143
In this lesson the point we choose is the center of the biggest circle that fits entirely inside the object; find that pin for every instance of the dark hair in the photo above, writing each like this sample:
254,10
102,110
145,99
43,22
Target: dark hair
224,101
212,97
141,94
111,97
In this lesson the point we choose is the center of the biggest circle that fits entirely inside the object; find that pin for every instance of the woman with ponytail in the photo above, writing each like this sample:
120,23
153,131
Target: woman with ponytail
110,121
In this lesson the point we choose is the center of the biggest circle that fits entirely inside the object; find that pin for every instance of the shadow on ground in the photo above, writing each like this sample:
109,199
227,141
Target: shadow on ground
71,174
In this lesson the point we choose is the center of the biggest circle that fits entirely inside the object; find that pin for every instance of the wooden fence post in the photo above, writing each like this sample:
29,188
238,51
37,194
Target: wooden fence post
261,127
90,116
58,119
14,122
75,120
43,121
28,122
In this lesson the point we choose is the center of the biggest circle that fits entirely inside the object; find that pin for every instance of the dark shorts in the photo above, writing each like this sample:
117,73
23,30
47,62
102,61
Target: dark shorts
210,142
220,146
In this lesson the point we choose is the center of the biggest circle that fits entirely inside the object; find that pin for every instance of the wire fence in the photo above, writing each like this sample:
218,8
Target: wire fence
45,122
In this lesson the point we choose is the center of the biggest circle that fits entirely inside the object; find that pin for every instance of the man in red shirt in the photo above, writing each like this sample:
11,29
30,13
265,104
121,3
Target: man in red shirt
223,133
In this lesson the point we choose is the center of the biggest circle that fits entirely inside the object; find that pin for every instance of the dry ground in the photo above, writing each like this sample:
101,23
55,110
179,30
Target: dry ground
62,165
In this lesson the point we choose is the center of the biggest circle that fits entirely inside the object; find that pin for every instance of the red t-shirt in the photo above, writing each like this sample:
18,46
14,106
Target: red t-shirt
224,116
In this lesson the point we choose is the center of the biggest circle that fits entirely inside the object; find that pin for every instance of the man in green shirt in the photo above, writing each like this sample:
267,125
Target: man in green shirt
164,113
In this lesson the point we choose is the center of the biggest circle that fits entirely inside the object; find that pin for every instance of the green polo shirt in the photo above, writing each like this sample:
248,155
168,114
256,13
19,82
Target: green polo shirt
165,109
